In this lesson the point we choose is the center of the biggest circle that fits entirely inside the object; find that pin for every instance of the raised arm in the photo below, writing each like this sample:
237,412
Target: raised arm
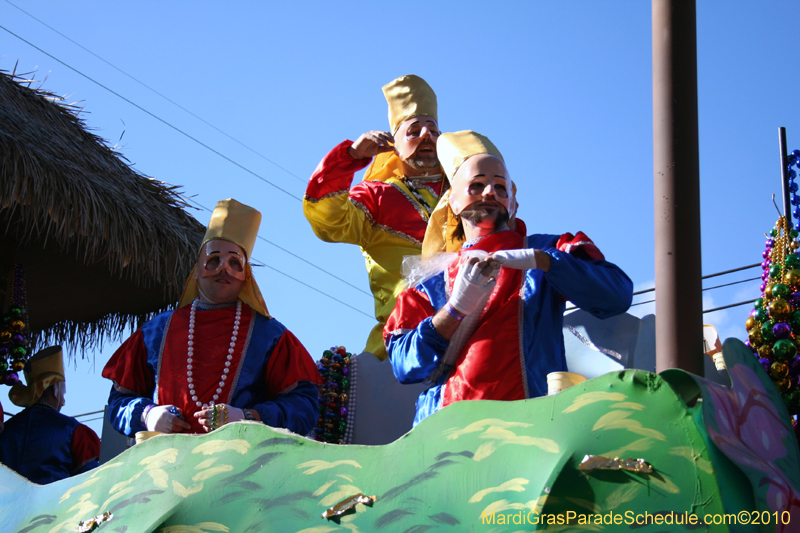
326,204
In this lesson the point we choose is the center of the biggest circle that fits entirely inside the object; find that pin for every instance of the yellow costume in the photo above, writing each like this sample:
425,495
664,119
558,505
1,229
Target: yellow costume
387,213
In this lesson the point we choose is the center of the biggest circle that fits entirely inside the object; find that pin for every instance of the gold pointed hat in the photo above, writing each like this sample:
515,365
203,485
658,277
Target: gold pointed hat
453,149
409,96
45,368
238,223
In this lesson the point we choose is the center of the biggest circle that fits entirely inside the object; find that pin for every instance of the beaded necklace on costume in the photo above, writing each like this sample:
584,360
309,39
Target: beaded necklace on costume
337,396
43,403
190,355
415,192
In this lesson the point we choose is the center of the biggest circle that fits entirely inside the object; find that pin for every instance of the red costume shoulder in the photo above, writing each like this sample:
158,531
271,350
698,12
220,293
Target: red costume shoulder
579,245
412,307
289,364
128,368
85,447
370,196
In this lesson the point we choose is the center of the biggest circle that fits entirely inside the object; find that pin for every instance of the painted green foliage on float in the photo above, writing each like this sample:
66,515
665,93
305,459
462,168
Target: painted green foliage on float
474,466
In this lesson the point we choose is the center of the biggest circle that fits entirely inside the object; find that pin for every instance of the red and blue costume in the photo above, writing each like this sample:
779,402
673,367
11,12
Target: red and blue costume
272,372
518,339
45,446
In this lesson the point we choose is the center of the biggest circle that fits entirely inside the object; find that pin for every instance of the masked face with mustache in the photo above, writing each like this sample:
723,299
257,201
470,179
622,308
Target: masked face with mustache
415,143
482,195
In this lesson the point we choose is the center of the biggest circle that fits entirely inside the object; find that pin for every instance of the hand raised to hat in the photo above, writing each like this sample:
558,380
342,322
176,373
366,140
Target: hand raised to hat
370,144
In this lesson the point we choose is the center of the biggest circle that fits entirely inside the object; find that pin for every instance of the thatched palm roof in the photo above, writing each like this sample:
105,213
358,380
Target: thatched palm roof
102,245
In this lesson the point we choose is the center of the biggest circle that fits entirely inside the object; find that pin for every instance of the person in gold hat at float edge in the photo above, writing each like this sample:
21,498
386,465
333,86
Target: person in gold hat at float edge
219,357
485,322
385,214
40,443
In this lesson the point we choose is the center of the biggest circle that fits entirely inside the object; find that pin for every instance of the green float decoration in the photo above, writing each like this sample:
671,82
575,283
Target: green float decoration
600,456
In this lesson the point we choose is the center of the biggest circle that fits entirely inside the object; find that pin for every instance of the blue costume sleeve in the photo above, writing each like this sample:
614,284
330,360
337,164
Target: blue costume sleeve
415,354
596,286
296,410
125,411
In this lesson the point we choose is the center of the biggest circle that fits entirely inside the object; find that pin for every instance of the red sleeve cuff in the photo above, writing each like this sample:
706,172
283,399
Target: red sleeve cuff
579,246
334,173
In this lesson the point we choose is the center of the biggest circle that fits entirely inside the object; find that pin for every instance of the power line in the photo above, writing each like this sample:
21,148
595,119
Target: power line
306,261
158,93
303,282
731,271
728,306
93,419
89,413
224,157
652,289
731,283
265,180
317,290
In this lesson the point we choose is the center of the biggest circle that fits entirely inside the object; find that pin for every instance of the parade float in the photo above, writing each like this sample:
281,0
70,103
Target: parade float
626,449
613,452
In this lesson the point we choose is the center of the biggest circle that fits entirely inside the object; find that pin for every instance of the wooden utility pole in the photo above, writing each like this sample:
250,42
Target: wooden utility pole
676,188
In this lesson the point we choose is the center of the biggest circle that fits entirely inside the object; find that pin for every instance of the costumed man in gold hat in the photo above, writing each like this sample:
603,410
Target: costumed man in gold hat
387,213
40,443
484,321
219,357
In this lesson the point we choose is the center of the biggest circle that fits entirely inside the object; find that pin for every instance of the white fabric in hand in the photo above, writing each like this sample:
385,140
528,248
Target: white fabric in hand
471,286
160,419
519,259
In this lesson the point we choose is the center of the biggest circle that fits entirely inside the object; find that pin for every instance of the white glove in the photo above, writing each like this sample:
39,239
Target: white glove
471,286
235,414
159,418
519,259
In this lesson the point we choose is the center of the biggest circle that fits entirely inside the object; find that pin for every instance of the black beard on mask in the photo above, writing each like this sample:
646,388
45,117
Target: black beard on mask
477,214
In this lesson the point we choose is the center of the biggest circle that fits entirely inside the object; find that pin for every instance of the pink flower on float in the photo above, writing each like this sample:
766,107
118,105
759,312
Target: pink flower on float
746,412
751,433
781,497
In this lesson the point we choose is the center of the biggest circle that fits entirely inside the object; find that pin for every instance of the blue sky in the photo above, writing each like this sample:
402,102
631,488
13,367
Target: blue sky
562,88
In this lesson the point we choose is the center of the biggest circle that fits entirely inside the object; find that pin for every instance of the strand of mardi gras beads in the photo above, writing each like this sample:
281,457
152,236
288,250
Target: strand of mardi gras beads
337,396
